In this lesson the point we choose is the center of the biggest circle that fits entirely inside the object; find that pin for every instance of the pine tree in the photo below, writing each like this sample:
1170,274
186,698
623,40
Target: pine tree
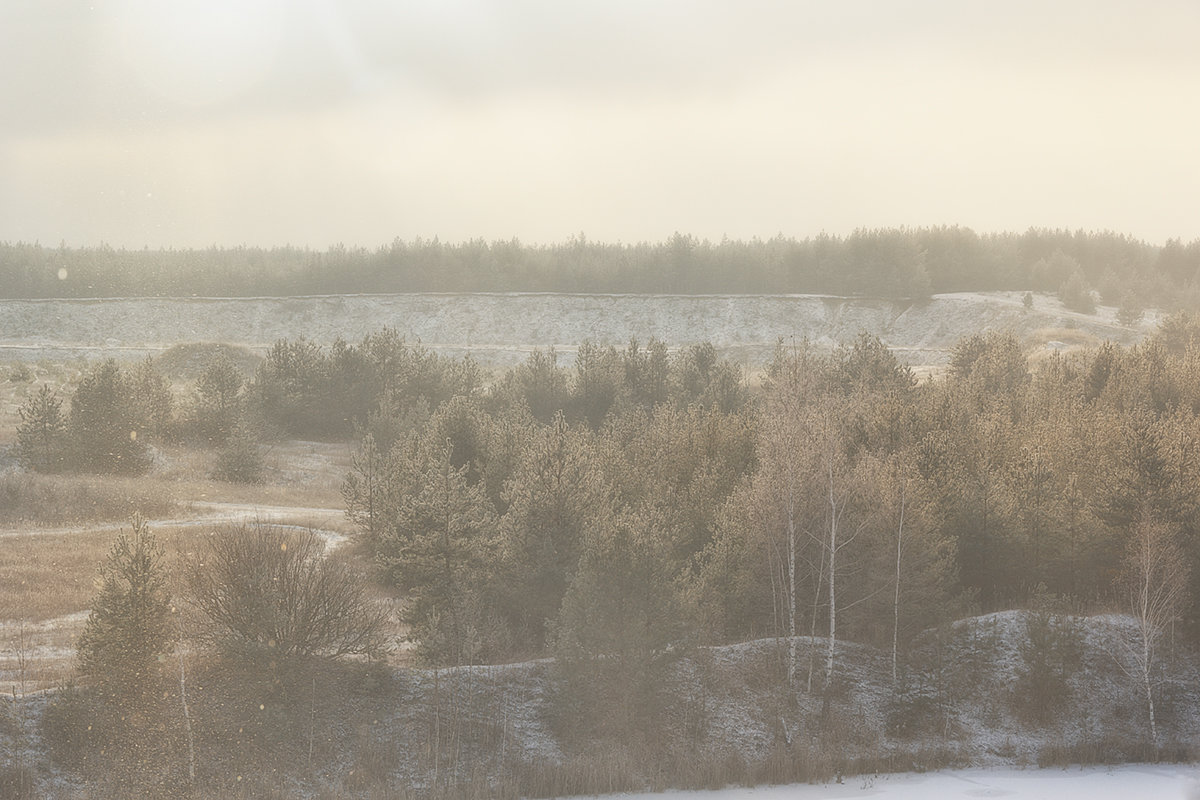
219,392
238,460
621,626
365,489
129,624
555,499
41,434
153,403
439,549
103,427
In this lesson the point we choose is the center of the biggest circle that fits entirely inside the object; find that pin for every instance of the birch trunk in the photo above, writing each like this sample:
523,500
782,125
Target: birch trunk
187,715
833,546
812,628
896,597
791,593
1149,691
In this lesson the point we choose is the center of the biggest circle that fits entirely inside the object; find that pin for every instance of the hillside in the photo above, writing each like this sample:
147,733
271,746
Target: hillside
500,329
726,716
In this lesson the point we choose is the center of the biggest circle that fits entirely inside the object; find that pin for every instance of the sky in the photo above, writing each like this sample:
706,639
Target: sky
193,123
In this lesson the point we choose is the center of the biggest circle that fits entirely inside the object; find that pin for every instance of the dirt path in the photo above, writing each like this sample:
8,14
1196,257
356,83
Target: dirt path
215,513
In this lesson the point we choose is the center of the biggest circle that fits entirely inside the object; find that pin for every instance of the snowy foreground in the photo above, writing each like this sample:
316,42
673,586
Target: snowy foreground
1128,782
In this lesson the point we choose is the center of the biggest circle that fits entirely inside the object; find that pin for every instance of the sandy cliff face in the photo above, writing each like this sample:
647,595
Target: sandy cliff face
500,329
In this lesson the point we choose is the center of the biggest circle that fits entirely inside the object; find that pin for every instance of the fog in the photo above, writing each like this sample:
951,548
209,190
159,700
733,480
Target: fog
265,123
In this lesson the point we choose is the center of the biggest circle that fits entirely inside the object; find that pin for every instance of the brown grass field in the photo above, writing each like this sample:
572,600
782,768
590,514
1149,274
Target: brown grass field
56,530
49,577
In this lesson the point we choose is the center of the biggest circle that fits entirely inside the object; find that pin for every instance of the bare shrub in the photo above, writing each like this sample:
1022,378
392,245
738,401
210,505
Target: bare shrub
266,589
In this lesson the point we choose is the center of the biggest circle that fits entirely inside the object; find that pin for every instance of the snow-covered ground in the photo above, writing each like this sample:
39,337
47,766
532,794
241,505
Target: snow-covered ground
501,329
1127,782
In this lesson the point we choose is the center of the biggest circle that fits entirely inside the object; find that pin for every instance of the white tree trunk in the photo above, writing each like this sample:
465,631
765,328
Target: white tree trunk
1149,690
1156,594
812,627
187,715
791,593
833,548
896,597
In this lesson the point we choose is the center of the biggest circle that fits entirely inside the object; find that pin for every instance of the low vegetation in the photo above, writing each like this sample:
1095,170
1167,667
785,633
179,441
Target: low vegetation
31,499
266,592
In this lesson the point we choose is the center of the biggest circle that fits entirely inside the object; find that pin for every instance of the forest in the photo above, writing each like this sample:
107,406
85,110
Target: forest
508,511
890,262
1011,481
619,512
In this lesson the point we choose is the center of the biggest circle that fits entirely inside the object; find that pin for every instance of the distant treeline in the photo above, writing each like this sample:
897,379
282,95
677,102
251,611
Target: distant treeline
885,262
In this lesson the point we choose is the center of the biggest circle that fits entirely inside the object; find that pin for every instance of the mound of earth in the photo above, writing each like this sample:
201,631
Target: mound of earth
188,361
723,715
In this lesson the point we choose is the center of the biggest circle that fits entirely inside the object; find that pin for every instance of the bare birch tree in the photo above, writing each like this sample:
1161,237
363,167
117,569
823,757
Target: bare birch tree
785,474
1157,577
838,491
903,489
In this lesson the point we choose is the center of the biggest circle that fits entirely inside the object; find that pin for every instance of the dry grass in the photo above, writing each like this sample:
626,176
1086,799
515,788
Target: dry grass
56,530
1067,341
297,473
30,499
48,575
37,656
47,582
52,574
47,572
209,491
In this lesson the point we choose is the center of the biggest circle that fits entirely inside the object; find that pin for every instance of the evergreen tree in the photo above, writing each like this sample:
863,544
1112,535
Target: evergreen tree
700,377
129,624
1075,294
556,497
598,381
41,434
366,489
238,460
621,626
439,549
647,373
154,406
218,400
541,384
103,430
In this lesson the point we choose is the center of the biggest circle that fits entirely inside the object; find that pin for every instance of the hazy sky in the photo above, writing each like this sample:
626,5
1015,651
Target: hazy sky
311,122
